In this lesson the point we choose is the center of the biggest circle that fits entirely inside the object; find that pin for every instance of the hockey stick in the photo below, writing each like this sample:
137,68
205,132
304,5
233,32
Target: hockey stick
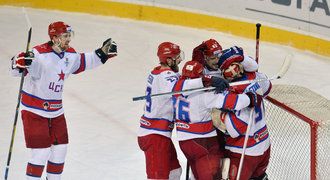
19,98
225,168
258,25
284,68
279,75
187,170
244,145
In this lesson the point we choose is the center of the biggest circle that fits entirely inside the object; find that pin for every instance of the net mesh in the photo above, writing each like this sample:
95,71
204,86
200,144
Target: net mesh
291,135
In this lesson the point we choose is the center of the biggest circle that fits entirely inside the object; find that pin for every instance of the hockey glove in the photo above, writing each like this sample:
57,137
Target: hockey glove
108,50
109,47
255,99
22,60
233,54
218,119
220,84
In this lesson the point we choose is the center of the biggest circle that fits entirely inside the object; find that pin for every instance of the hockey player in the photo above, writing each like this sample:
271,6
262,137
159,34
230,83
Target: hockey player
234,123
156,123
46,68
195,130
208,53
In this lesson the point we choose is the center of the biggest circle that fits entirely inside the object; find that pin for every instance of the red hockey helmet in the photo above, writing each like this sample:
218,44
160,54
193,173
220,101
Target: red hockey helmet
212,48
57,28
168,50
233,71
192,69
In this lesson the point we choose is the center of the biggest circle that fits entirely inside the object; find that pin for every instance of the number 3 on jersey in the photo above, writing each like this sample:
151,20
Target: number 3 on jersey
182,107
148,99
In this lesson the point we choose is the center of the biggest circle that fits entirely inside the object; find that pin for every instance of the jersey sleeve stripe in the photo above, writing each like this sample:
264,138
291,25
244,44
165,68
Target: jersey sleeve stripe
257,138
178,87
82,66
230,101
239,125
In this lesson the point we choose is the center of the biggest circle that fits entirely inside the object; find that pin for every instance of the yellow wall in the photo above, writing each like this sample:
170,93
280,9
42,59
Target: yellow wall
170,16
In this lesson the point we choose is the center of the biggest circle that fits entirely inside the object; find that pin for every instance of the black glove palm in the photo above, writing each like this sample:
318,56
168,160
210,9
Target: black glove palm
220,84
110,47
108,50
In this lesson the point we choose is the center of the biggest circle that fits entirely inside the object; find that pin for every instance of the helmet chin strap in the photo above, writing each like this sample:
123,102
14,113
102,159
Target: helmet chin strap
209,68
57,46
174,66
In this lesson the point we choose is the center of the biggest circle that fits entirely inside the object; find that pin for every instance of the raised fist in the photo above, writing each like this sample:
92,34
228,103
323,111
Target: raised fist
108,50
22,60
109,47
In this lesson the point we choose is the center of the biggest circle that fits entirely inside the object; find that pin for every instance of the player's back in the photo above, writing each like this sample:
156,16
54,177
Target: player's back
237,122
193,112
158,111
193,117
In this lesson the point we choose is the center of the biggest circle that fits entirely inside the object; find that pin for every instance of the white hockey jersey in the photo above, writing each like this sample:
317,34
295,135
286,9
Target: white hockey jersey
158,117
193,112
44,81
237,122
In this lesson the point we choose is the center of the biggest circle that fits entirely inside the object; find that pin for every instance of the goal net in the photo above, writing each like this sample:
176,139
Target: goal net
299,125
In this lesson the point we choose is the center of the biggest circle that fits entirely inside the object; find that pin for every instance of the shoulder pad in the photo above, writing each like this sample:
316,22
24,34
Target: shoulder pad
70,50
157,70
43,48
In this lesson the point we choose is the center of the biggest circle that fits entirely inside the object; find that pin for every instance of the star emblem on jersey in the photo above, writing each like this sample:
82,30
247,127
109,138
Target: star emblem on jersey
61,76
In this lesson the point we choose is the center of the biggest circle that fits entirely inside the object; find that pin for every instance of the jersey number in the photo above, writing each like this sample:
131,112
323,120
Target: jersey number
258,111
183,111
148,99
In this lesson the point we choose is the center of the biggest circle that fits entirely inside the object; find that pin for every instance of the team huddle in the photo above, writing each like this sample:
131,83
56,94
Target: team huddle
211,125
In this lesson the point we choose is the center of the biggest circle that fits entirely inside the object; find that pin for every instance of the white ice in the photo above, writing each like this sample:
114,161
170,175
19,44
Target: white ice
101,116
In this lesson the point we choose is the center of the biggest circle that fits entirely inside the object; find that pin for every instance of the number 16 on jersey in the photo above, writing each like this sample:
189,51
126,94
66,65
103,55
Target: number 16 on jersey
181,106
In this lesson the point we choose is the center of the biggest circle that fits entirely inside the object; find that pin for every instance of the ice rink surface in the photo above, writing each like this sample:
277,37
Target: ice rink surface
101,116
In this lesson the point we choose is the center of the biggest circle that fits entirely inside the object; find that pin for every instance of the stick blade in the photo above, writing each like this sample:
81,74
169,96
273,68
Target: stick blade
285,66
29,25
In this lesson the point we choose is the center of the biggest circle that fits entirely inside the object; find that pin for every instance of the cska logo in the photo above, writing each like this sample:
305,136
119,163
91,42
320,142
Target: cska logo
52,30
167,51
214,45
45,105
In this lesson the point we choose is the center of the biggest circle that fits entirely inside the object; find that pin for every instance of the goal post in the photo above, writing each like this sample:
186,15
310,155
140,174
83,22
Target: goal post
298,121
